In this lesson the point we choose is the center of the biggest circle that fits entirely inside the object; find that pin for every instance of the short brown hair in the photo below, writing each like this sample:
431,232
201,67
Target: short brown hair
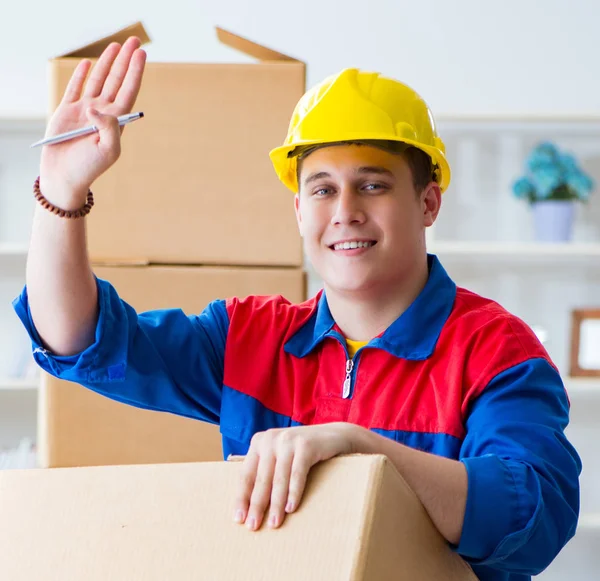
421,166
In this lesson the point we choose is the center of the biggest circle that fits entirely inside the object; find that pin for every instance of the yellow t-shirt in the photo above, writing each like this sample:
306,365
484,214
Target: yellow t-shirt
354,346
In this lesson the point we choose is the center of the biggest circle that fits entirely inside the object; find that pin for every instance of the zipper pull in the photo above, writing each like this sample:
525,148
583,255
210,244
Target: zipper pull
348,380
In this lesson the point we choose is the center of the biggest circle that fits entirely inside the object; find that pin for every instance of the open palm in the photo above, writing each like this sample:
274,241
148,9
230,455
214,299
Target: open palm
111,89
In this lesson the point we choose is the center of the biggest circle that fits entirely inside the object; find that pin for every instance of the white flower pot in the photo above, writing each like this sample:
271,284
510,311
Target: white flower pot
553,220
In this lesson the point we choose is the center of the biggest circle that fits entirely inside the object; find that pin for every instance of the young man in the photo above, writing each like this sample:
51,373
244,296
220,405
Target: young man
390,358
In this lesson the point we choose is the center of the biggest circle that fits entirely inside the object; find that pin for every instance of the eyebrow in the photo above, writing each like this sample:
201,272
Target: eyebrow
375,169
368,169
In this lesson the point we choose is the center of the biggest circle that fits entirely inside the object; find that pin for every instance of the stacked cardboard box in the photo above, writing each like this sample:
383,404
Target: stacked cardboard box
358,521
191,212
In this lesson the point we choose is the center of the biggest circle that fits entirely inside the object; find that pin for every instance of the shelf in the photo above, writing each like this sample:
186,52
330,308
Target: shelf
22,125
517,248
582,386
13,250
521,251
17,384
521,124
13,259
590,521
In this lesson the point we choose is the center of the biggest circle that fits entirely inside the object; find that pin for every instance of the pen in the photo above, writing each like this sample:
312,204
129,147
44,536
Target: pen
123,120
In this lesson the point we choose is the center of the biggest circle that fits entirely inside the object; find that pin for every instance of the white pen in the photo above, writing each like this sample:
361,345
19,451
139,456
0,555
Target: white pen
123,120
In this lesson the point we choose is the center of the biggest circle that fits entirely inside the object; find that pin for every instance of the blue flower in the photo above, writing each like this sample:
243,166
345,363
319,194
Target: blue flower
568,163
546,179
551,174
523,188
542,155
581,183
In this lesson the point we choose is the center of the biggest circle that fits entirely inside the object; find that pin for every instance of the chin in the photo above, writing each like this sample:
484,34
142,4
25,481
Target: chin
354,278
347,290
348,284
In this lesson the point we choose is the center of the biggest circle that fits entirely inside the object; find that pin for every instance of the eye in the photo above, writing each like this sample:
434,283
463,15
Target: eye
321,192
372,187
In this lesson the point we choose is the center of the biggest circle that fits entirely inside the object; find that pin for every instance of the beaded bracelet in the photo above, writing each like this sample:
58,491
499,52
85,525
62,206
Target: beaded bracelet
83,211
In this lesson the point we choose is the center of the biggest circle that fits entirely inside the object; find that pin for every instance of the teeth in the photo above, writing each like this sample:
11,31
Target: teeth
351,245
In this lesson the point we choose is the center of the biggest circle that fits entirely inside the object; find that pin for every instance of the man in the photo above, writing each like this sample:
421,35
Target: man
390,358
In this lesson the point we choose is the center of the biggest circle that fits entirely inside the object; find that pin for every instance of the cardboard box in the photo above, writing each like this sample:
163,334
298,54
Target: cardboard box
358,521
194,180
78,427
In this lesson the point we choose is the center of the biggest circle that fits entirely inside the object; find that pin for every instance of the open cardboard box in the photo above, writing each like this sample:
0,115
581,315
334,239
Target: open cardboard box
358,521
194,183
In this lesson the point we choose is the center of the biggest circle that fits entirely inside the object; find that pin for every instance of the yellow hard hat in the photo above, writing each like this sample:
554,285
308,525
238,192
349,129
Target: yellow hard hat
356,105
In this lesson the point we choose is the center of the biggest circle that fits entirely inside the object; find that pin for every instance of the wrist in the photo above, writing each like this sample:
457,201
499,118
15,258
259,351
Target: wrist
62,195
63,210
359,439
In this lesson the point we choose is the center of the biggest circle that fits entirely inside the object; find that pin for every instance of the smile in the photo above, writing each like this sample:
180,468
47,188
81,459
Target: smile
350,245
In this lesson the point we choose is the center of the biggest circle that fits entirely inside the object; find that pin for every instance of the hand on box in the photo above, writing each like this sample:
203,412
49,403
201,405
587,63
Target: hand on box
69,168
275,469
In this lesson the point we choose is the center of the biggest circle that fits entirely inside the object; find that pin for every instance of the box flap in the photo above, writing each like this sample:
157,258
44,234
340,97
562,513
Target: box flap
250,48
94,50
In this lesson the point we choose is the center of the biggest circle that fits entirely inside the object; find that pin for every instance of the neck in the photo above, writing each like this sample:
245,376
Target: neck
362,315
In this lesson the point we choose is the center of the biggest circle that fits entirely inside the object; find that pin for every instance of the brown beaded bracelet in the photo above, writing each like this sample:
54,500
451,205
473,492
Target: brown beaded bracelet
83,211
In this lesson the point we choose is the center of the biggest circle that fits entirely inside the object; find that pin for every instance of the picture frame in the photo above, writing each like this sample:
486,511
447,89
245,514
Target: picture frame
585,343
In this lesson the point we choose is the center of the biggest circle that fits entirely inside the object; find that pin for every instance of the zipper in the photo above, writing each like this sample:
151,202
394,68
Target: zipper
348,380
351,364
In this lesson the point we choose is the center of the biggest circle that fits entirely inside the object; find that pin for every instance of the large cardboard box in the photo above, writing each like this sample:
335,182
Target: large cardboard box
78,427
194,180
359,521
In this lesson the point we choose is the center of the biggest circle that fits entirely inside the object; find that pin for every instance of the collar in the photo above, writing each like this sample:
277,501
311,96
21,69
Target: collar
413,335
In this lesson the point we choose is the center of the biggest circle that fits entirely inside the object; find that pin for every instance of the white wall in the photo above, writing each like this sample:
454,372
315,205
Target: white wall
464,56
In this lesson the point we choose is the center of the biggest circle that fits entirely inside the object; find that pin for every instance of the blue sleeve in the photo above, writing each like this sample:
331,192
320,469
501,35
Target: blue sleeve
523,474
162,360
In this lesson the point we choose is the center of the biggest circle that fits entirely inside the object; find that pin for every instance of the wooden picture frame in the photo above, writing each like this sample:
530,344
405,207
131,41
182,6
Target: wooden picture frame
585,343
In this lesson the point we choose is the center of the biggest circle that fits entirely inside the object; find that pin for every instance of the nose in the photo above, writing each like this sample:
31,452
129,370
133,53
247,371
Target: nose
348,208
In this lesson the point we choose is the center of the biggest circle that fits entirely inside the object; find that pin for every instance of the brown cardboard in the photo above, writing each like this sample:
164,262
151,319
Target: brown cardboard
359,521
78,427
194,180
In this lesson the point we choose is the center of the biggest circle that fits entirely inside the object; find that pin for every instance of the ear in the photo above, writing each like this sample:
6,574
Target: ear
431,199
298,212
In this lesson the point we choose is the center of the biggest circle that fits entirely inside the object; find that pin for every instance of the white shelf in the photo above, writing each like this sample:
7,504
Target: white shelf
20,125
13,259
582,386
517,249
13,250
17,384
590,521
520,124
518,252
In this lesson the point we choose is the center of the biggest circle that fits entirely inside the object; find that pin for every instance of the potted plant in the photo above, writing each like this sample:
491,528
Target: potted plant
553,184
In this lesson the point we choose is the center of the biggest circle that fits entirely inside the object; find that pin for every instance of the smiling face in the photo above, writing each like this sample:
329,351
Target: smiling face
361,219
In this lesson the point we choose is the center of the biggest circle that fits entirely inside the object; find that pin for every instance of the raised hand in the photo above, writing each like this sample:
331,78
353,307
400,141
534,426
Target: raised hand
68,169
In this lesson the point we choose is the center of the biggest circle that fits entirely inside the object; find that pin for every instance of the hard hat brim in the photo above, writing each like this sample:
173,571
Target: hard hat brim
280,158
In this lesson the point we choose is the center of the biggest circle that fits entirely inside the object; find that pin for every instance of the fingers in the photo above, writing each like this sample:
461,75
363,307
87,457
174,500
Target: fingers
101,70
274,475
75,85
109,135
120,68
259,500
303,462
247,479
132,82
281,485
